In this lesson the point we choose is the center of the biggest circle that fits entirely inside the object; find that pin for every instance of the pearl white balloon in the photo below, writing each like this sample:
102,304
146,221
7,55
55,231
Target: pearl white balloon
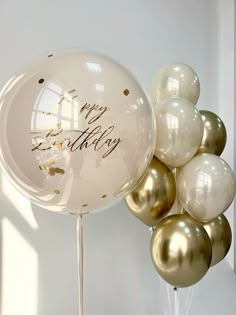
176,80
76,131
179,131
206,186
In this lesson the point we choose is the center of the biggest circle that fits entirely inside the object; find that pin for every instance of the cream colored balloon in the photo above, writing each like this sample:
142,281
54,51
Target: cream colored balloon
206,186
179,131
176,80
76,131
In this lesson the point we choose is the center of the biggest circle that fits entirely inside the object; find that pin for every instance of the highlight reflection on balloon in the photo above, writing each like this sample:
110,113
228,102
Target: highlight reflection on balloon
219,232
155,194
214,136
70,125
206,186
177,80
179,131
181,250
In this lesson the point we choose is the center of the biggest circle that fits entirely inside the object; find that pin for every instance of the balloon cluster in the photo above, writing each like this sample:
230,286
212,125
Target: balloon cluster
187,186
71,123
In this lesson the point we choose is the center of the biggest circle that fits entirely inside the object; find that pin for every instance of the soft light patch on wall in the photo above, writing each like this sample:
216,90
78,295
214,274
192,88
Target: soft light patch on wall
21,204
19,273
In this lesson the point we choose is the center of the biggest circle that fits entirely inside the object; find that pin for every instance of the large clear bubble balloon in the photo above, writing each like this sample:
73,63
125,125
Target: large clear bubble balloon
176,80
76,131
206,186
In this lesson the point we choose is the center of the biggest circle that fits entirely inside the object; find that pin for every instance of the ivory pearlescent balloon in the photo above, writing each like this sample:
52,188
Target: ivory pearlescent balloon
180,250
176,80
206,186
179,131
76,131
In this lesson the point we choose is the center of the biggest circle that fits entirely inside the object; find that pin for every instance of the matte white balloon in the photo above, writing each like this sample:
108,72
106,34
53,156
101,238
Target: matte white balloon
76,131
176,80
206,186
179,131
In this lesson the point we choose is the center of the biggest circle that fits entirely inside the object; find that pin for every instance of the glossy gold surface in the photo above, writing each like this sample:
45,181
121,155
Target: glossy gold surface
214,136
181,250
154,196
220,235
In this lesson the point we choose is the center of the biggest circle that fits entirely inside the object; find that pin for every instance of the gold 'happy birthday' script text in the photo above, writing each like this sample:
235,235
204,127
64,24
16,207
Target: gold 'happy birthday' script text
93,135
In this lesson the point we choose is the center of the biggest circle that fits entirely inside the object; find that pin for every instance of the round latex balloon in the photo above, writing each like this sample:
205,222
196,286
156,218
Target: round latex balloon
176,80
154,196
214,135
206,186
179,131
220,235
76,131
181,250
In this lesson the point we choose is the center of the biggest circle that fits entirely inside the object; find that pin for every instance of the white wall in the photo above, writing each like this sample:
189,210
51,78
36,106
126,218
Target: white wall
226,108
38,248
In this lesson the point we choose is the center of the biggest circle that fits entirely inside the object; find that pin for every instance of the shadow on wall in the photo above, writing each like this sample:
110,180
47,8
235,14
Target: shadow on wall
32,264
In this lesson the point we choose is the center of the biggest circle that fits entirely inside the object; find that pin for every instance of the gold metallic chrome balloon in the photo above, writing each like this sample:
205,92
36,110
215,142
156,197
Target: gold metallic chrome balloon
176,80
154,196
214,136
220,235
181,250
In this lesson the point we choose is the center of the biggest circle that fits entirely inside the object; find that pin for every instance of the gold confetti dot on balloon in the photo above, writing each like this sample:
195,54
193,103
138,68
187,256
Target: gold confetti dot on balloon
56,191
41,81
126,92
51,171
46,164
85,205
55,170
104,196
50,55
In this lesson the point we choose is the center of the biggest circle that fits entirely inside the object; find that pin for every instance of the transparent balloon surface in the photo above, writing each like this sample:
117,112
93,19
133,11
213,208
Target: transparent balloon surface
77,131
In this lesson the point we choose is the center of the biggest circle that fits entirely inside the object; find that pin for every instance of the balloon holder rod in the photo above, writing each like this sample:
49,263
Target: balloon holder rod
178,207
80,261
